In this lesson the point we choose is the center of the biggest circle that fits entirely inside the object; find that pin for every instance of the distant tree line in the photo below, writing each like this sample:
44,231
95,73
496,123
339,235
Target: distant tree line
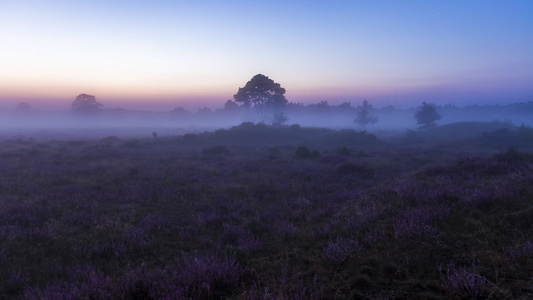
263,99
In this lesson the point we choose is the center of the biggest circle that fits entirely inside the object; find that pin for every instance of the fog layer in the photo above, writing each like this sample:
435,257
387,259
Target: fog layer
127,123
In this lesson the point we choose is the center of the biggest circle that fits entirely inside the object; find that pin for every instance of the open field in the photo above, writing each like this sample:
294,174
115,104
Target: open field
254,212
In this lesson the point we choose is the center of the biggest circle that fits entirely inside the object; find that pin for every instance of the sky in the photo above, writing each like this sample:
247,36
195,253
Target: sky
158,55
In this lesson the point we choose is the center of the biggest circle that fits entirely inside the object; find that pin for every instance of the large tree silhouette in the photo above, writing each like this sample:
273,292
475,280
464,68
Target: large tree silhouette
263,94
426,115
86,103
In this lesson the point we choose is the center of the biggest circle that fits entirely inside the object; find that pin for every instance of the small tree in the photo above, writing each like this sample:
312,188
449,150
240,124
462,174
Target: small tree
364,115
230,105
263,94
180,111
279,119
426,115
86,103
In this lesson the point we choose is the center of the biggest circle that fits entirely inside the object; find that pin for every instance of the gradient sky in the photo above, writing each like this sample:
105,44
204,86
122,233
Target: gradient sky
163,54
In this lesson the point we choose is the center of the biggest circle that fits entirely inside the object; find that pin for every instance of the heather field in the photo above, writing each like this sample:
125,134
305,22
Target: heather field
255,212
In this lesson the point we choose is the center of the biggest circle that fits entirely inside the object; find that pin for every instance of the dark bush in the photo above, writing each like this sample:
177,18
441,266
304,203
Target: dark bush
190,137
344,151
513,156
220,131
304,152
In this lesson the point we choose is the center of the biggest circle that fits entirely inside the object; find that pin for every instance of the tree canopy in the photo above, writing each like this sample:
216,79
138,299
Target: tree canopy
261,90
364,115
263,94
85,103
426,115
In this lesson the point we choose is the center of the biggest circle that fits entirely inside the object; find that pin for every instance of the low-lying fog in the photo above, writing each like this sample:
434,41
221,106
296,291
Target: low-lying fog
124,123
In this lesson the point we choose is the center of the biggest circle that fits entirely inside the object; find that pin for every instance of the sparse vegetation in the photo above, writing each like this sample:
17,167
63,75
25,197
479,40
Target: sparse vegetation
236,214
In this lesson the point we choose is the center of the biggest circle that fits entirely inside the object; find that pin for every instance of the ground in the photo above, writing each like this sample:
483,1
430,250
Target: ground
241,214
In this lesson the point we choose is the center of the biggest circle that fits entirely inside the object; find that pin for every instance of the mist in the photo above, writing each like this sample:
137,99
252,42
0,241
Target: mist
67,124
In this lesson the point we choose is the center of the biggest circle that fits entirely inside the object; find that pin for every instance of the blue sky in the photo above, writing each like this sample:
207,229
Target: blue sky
164,54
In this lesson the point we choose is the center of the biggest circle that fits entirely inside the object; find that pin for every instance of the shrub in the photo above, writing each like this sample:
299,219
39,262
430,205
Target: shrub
304,152
220,131
190,137
513,156
344,151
